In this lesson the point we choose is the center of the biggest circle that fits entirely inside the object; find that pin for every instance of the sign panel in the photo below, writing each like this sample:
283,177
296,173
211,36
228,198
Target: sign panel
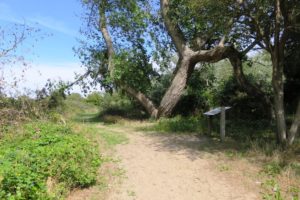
215,111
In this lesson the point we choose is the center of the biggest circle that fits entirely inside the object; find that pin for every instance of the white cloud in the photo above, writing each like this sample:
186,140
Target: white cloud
7,14
54,24
37,75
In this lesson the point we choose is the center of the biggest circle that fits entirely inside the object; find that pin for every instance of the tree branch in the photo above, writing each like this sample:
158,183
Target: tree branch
18,39
172,28
106,35
214,55
250,47
143,99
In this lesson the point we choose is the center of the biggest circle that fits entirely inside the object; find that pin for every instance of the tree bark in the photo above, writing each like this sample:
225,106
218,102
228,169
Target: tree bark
106,36
144,101
177,87
277,83
277,55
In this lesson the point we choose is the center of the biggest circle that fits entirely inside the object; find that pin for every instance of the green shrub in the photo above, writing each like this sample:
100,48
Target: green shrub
243,130
45,151
178,124
117,104
94,98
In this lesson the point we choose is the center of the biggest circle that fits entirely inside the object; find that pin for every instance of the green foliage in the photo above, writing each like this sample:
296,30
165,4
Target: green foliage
272,168
43,152
212,85
56,100
128,23
226,90
274,191
178,124
94,98
199,96
244,106
20,109
259,131
120,105
209,22
159,87
133,69
54,93
76,105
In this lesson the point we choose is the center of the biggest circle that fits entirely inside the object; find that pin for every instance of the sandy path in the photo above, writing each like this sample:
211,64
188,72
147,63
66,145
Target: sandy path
169,168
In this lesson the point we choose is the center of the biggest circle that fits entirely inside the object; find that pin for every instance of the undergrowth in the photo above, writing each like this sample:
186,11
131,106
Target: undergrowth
177,124
45,161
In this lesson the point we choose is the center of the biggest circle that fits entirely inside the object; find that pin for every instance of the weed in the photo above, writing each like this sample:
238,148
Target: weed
223,168
272,168
131,193
296,167
273,190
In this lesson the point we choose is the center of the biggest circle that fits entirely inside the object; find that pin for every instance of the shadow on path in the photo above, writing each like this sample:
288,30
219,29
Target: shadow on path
191,146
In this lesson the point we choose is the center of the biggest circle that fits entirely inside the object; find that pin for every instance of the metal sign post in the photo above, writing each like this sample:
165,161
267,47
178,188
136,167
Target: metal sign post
215,111
222,124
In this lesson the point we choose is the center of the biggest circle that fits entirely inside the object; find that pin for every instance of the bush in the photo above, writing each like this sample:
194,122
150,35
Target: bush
243,130
16,110
43,152
94,98
178,124
117,104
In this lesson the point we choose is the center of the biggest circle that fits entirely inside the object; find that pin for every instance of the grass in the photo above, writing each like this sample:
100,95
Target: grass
108,137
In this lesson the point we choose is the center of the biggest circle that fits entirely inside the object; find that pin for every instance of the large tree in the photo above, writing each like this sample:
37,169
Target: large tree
199,38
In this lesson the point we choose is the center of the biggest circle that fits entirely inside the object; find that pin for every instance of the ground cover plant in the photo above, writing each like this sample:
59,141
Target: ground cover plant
44,161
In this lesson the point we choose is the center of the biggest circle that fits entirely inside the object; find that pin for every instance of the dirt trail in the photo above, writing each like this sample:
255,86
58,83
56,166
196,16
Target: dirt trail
167,167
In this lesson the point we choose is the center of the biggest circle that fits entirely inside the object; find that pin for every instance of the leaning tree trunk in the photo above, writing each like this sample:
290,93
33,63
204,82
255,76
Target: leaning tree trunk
142,99
176,89
139,96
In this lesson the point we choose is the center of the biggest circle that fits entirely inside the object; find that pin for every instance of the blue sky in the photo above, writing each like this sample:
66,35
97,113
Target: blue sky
59,21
